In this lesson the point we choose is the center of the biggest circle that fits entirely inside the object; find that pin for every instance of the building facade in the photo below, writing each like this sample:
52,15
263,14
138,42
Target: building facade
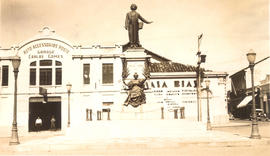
265,95
240,97
49,63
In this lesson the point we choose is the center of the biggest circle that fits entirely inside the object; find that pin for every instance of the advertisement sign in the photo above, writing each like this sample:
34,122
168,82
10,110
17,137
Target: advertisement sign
174,94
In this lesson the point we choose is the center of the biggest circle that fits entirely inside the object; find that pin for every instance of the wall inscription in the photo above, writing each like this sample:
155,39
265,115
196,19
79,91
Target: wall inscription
46,50
174,94
45,54
46,45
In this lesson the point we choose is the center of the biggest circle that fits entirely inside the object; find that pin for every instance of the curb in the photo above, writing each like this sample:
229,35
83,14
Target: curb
235,125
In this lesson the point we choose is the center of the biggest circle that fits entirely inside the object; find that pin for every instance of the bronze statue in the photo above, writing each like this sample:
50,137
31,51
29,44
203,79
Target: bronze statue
136,94
133,26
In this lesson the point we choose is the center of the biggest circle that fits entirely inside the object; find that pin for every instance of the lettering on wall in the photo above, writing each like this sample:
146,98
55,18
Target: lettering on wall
45,54
47,45
177,84
45,51
174,94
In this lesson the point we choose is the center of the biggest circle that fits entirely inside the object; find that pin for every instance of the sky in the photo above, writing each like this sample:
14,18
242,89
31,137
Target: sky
230,27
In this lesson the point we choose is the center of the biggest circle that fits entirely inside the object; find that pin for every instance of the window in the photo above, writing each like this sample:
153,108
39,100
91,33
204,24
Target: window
45,63
32,76
33,63
107,73
45,72
45,76
49,72
86,74
57,63
4,75
58,76
33,73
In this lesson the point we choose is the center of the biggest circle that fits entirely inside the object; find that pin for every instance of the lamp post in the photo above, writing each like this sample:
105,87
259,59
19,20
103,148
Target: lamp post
69,89
14,135
207,83
251,56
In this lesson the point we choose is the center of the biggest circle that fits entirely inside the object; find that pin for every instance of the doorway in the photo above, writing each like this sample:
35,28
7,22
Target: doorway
44,110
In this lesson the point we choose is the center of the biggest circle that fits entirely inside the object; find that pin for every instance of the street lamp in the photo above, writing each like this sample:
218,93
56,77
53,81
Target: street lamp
14,135
251,56
69,89
207,83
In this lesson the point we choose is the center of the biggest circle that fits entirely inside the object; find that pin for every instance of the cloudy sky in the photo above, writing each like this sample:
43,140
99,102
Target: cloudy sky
230,27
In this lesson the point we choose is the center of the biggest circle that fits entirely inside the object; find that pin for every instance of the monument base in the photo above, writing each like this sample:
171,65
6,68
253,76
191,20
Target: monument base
131,113
135,59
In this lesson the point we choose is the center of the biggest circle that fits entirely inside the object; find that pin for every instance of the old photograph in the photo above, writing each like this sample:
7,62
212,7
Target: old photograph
134,77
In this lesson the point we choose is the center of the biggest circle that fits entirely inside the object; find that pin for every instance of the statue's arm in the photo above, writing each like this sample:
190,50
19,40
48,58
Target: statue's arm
144,20
145,78
124,82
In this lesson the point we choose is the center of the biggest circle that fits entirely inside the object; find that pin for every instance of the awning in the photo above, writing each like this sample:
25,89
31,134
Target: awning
41,99
245,101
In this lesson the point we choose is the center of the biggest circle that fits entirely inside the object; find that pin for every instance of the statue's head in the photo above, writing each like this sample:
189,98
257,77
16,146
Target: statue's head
135,76
133,7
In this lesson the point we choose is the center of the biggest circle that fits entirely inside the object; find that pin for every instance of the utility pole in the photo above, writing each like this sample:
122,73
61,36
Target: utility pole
201,59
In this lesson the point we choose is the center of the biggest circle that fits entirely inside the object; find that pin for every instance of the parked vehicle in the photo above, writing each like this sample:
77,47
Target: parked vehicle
261,116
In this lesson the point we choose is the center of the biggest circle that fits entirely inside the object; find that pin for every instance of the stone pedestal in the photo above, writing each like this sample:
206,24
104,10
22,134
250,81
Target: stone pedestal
136,61
131,113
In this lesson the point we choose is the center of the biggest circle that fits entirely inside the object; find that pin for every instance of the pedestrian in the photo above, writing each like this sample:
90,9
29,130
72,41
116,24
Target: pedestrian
53,127
38,123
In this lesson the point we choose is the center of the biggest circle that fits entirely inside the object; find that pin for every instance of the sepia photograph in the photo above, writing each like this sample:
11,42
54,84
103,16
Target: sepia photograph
135,77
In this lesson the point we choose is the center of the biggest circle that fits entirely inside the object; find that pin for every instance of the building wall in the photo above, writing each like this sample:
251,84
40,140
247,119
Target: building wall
217,102
162,88
265,95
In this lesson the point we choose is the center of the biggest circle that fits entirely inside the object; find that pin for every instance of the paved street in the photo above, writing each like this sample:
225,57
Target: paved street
137,149
155,137
264,128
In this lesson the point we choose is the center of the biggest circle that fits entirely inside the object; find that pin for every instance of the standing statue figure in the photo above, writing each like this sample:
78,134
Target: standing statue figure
136,94
133,26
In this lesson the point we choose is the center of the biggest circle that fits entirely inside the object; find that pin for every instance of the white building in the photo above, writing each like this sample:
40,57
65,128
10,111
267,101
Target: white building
95,72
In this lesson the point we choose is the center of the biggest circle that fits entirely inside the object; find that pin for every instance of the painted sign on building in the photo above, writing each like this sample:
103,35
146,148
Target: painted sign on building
174,94
45,50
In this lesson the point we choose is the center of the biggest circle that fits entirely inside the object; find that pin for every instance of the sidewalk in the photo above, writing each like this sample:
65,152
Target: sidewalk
233,123
153,134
